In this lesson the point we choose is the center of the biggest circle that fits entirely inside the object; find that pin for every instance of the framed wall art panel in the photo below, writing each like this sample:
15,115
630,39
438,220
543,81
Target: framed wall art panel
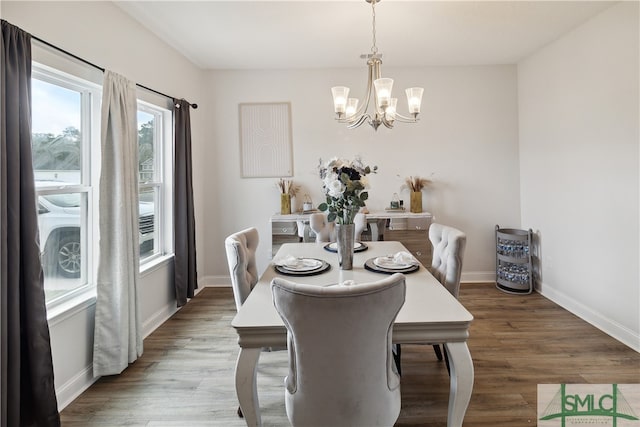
265,140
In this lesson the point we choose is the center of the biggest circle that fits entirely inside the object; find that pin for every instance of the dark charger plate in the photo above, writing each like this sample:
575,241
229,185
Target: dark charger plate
282,270
371,266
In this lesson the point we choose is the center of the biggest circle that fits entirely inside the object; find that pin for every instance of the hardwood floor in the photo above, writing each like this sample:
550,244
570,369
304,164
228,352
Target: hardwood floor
186,375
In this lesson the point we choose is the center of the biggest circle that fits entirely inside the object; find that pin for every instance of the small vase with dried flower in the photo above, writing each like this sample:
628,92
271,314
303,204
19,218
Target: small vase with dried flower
287,191
415,185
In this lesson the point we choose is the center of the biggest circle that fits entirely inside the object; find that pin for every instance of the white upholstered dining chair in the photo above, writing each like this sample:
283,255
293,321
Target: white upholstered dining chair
360,221
448,253
446,264
241,250
241,255
341,370
325,230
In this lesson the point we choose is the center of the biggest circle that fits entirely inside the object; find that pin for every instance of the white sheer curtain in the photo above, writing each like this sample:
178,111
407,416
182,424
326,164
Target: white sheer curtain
118,339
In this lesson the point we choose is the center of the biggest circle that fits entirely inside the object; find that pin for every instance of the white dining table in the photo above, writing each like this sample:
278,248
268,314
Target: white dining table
430,315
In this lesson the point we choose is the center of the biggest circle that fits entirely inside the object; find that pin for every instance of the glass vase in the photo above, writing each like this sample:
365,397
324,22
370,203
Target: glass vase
345,237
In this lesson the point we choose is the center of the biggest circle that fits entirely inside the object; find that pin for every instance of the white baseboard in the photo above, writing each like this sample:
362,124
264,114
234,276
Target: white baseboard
157,319
73,388
478,277
212,281
606,325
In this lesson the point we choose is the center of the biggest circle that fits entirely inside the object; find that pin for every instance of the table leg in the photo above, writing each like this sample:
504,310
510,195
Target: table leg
246,385
461,387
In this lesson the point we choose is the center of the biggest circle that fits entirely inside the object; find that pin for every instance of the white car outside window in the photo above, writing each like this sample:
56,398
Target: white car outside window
59,223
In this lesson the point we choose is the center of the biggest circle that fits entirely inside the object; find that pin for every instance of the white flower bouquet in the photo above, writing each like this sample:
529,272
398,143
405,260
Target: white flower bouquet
344,183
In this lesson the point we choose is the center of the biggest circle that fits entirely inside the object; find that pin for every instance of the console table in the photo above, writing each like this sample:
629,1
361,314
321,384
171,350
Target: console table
411,229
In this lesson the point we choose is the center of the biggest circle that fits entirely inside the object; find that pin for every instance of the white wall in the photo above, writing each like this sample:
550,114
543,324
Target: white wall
578,102
101,33
466,138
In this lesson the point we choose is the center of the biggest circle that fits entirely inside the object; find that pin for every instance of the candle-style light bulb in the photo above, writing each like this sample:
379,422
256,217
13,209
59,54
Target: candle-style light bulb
340,96
414,99
383,92
352,107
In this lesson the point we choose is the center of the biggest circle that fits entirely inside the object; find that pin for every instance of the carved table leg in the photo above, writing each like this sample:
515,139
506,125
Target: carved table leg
461,387
246,385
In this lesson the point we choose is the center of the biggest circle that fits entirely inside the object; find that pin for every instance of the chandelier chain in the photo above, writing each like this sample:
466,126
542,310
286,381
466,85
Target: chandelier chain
374,48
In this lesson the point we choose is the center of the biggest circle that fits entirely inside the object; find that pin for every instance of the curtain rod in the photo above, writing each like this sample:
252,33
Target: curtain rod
194,106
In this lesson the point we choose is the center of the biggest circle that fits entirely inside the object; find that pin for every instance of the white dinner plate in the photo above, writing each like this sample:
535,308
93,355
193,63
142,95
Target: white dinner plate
334,246
302,264
390,264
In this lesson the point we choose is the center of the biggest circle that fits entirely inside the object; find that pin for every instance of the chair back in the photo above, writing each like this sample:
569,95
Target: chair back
341,368
323,229
241,255
360,221
448,253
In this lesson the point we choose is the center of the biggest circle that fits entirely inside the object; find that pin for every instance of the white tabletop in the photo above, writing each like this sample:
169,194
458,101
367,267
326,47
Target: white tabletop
428,309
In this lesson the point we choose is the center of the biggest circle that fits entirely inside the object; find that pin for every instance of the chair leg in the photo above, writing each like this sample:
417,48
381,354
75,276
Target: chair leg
396,358
436,348
446,359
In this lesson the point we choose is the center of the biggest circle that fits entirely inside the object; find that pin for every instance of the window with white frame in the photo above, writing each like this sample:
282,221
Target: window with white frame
65,151
153,138
65,114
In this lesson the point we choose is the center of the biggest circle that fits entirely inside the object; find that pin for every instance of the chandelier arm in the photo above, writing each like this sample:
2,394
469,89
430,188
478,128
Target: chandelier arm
362,110
374,74
350,120
363,118
365,105
406,119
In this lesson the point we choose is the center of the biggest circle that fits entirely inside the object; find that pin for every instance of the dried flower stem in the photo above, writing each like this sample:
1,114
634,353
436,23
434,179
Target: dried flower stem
415,183
286,186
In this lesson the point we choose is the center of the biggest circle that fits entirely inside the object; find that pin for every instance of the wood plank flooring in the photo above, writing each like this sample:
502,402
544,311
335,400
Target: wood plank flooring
185,377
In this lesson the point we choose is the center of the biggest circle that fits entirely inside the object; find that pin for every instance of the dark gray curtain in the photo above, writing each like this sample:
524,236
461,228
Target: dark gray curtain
185,274
28,392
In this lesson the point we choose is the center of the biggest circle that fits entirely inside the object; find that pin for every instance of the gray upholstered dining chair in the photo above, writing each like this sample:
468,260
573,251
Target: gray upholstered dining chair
325,230
341,371
360,221
241,255
448,253
446,264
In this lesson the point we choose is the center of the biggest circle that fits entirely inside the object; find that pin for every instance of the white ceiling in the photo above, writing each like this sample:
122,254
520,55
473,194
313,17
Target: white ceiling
334,33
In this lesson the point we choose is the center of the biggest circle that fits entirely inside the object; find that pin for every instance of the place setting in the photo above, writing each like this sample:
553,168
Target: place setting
357,247
301,266
401,262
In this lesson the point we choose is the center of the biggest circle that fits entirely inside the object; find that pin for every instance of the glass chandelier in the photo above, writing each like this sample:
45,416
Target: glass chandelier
384,110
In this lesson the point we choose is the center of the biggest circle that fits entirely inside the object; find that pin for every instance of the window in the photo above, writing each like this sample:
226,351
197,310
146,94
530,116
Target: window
152,134
65,150
63,116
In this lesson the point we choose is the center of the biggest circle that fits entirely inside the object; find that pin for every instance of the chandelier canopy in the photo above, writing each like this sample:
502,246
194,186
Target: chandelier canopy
384,106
